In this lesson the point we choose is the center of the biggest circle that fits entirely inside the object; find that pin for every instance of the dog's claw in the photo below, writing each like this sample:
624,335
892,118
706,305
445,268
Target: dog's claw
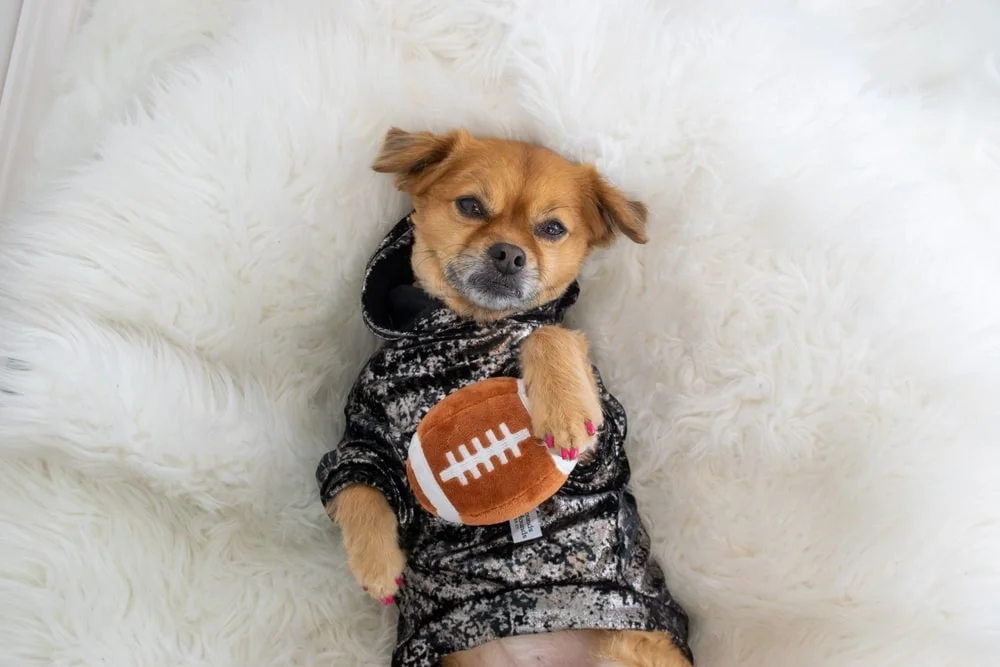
565,453
386,601
573,453
364,588
590,427
399,580
550,441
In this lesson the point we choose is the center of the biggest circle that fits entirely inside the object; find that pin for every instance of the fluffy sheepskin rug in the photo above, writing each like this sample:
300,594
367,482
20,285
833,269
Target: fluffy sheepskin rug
808,347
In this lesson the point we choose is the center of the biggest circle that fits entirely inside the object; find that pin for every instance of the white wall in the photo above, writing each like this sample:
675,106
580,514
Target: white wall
9,11
33,37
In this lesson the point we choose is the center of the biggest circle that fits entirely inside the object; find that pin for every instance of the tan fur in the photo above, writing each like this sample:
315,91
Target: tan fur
562,393
523,186
632,648
369,530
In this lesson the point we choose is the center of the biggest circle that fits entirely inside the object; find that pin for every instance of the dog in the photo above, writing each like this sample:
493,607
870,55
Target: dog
498,230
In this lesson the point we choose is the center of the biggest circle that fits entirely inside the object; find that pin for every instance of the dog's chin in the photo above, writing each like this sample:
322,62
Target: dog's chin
494,293
495,301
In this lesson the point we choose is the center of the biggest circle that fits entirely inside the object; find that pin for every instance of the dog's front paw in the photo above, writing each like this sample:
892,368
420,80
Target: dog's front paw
566,420
563,400
378,568
369,530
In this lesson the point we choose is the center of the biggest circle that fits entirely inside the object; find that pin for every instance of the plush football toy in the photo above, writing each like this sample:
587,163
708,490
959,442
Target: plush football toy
474,461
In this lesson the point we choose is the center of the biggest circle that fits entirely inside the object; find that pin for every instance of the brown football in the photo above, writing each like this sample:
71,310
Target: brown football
474,461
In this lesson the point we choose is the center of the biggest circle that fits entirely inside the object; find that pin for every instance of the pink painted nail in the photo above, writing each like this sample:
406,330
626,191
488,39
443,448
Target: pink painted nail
550,442
399,581
565,454
573,454
388,601
590,427
364,588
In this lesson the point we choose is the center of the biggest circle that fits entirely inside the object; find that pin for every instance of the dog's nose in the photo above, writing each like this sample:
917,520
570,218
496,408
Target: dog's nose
508,258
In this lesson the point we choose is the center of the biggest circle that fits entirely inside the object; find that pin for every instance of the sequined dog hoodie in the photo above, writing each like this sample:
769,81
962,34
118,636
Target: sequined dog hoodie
464,585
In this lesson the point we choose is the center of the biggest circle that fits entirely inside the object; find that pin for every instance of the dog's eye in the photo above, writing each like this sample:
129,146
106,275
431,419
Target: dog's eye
553,229
470,207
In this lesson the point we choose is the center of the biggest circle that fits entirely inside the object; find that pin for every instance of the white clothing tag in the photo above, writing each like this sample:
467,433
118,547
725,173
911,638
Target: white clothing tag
526,527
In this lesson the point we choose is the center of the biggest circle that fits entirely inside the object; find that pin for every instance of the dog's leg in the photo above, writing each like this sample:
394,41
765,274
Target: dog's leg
369,529
563,400
633,648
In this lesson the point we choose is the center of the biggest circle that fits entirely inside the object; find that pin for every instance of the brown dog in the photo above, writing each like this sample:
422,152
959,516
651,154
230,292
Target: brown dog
501,227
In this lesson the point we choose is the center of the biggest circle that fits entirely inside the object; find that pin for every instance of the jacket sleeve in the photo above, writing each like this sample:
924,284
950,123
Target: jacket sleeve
363,456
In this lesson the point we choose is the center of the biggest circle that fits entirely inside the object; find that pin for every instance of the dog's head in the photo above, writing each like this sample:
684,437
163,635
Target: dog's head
502,226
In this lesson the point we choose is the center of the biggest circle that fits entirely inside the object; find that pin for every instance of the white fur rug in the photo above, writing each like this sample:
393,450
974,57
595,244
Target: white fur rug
809,346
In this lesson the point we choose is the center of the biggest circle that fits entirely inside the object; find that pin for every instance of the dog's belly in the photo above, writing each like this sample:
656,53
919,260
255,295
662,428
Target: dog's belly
574,648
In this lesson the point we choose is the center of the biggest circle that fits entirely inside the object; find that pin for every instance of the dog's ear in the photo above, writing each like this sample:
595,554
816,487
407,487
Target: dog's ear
614,213
415,158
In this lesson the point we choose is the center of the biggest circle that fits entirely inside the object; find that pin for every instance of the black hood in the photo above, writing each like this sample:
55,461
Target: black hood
394,307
